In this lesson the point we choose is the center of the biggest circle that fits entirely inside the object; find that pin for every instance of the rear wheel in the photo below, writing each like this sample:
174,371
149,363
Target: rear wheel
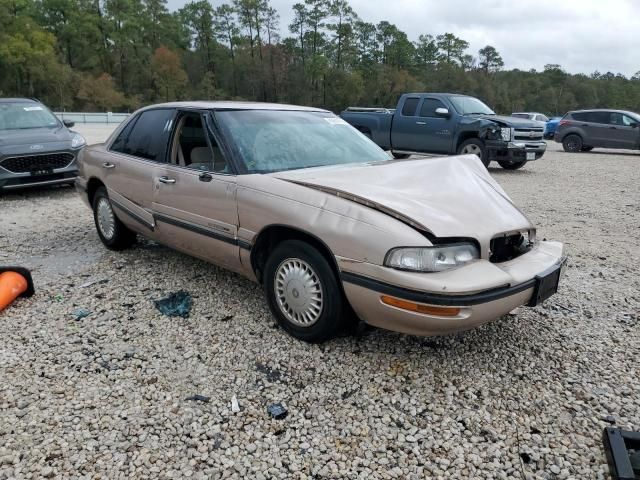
572,143
303,292
512,165
474,146
113,233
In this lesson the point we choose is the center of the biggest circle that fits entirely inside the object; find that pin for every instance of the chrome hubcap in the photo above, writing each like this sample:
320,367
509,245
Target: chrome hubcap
298,292
473,150
106,219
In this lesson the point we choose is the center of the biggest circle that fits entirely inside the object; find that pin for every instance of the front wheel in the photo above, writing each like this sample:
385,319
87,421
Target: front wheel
113,233
303,292
572,143
512,165
474,146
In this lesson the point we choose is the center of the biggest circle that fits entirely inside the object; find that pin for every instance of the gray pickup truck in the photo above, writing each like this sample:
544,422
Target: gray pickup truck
444,123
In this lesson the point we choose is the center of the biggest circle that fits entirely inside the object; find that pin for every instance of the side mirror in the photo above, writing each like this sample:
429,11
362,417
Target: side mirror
68,123
634,125
442,112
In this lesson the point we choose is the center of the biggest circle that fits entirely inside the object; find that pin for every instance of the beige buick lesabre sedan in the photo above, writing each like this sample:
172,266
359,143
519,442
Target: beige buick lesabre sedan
299,201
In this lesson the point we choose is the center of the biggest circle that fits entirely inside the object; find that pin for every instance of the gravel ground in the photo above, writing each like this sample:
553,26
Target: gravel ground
526,396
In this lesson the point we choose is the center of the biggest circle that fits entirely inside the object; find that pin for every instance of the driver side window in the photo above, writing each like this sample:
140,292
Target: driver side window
193,148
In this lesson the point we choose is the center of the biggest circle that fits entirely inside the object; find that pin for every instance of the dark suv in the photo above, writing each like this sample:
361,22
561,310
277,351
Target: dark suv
583,130
35,147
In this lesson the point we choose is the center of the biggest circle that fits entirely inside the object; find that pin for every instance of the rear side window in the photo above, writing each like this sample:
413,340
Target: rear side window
147,136
592,117
429,106
410,106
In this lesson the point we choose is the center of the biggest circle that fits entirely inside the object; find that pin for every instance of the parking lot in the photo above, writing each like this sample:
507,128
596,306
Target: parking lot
526,396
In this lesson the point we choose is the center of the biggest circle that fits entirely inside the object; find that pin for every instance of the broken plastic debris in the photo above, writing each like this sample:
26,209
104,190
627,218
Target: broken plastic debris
235,408
80,313
199,398
177,304
94,282
277,411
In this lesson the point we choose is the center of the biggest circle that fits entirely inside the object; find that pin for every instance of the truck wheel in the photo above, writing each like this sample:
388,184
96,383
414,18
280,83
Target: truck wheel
572,143
512,165
400,156
303,292
474,146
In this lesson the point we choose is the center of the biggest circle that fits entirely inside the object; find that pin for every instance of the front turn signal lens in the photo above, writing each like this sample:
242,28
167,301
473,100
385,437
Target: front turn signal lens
419,307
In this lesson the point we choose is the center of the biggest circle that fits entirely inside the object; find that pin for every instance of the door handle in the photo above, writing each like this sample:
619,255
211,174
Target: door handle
165,179
205,177
421,123
108,165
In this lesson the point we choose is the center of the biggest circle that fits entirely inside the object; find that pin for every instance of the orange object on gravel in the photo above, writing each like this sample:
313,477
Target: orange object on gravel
14,282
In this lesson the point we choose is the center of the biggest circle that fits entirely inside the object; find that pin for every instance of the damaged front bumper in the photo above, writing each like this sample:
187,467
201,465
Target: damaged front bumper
467,297
516,151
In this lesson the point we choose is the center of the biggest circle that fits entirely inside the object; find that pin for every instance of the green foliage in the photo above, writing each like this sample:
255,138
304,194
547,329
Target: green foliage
120,54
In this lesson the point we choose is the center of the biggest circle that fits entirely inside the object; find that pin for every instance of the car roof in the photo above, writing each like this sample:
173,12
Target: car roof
602,110
234,105
16,100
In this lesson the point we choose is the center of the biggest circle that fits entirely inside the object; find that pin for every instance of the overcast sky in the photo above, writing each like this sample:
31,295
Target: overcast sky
581,35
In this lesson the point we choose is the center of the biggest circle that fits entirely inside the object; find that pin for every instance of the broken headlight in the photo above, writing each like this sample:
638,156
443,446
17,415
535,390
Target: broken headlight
431,259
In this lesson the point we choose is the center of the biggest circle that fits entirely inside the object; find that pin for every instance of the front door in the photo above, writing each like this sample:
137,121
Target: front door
435,131
194,202
622,132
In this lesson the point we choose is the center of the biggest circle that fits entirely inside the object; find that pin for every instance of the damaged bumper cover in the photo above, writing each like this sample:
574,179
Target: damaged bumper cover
516,151
480,292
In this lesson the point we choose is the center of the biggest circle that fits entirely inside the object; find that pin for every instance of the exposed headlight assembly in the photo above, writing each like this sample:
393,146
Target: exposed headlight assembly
431,259
78,141
505,133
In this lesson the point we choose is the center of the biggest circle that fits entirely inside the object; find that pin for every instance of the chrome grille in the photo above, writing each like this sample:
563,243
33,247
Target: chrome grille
534,133
32,163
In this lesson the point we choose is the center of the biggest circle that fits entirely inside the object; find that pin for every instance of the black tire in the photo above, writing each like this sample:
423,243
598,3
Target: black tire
512,165
572,143
329,317
121,237
400,156
586,149
469,144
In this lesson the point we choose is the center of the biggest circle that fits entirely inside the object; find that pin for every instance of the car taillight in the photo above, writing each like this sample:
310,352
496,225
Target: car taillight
564,122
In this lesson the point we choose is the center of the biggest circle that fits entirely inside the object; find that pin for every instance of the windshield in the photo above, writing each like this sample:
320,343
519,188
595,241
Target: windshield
276,140
24,115
470,105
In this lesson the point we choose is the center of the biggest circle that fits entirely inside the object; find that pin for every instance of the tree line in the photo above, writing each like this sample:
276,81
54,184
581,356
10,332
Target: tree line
117,55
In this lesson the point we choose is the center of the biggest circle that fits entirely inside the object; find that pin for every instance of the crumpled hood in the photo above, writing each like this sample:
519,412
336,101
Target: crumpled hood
514,122
447,196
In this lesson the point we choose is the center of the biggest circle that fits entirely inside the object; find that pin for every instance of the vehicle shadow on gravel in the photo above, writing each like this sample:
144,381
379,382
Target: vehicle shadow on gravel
38,193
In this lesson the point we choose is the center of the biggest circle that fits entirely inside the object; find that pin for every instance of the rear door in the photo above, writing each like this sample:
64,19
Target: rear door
194,200
622,133
403,127
130,163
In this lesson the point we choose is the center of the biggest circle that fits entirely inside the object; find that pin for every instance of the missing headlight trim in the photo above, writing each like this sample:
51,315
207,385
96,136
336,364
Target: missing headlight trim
510,246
